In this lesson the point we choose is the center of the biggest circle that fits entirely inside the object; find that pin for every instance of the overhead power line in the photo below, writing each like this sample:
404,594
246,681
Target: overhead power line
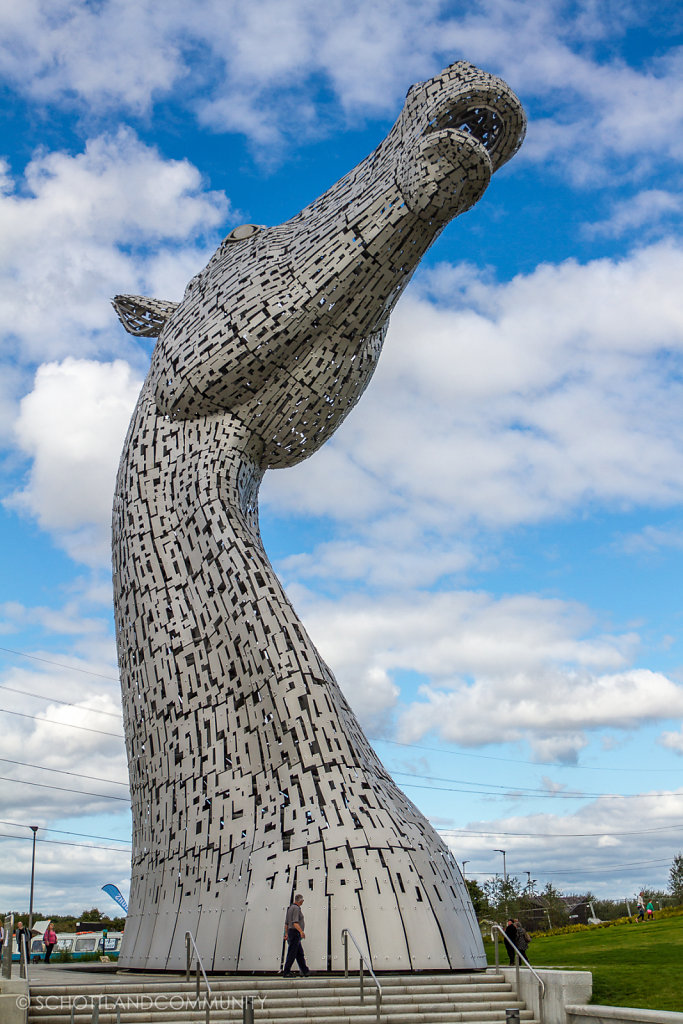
63,789
62,771
490,788
512,760
59,664
65,725
58,842
547,796
56,700
557,835
63,832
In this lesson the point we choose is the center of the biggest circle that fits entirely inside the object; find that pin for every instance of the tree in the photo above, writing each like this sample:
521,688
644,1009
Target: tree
478,897
676,878
92,915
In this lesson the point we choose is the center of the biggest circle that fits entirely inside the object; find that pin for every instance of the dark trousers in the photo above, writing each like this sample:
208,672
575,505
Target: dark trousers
49,946
295,951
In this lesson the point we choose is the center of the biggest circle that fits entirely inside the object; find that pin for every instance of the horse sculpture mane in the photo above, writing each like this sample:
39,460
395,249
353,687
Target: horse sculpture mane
250,776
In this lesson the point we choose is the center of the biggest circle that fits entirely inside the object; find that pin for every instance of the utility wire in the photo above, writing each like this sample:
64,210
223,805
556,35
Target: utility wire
558,835
67,725
510,790
59,664
63,832
512,760
62,771
56,700
57,842
547,796
64,789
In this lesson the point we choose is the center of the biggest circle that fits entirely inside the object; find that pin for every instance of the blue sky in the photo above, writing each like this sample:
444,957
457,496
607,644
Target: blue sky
488,551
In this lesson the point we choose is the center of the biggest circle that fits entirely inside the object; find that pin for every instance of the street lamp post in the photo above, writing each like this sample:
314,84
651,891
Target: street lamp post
34,829
505,880
463,869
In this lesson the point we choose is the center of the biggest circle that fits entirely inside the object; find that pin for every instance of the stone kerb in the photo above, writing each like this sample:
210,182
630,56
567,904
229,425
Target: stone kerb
576,1014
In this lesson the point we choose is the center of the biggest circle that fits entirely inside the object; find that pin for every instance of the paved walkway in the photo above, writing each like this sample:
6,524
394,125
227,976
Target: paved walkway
87,974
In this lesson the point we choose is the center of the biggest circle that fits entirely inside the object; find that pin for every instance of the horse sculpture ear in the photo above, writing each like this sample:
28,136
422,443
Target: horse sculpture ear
143,317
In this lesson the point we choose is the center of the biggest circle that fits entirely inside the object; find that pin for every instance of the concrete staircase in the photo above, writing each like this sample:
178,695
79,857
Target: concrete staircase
477,998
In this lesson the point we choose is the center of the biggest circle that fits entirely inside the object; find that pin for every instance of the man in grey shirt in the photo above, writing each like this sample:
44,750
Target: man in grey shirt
294,933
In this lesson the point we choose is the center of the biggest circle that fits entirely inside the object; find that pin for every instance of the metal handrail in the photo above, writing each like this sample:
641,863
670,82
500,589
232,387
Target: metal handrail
189,938
345,936
495,928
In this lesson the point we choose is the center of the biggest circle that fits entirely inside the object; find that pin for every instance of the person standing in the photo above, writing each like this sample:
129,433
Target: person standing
23,941
641,908
510,937
294,933
523,938
50,940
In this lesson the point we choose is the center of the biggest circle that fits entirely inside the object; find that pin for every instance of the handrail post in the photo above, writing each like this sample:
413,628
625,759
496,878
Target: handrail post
495,943
247,1010
22,957
95,1010
517,969
345,936
188,953
198,977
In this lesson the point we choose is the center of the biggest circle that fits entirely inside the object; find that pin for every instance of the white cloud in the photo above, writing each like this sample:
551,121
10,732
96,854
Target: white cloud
493,670
646,212
673,740
611,866
76,230
261,64
551,709
497,404
72,426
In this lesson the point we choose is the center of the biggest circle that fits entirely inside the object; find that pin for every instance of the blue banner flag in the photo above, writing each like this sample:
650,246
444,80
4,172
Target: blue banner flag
115,893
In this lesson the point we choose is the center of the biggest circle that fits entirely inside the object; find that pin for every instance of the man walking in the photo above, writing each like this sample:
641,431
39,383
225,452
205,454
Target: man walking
294,933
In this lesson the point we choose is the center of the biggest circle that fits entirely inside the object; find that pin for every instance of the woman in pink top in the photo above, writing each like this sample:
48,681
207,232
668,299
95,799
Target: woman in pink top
49,938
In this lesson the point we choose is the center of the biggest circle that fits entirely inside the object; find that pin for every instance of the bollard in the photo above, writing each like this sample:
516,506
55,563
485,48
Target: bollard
248,1010
512,1017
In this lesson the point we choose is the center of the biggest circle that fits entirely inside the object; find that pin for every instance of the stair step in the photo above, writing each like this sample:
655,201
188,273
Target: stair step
441,998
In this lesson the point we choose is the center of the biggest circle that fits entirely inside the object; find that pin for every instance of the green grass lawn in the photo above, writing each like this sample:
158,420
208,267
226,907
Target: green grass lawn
632,965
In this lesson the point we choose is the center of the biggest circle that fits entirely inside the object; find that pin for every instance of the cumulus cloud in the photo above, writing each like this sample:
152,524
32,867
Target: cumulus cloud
491,669
648,212
618,844
490,400
77,229
260,63
673,740
72,426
